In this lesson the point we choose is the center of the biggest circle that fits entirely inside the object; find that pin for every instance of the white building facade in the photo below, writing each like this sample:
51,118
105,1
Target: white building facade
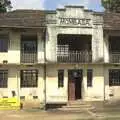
59,56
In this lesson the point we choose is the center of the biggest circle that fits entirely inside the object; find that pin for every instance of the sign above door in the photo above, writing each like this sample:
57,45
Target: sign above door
75,21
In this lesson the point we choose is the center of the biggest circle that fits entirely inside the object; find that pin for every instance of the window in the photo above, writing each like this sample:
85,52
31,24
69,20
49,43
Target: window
89,77
29,78
29,44
22,97
60,78
29,48
3,43
3,78
114,43
114,77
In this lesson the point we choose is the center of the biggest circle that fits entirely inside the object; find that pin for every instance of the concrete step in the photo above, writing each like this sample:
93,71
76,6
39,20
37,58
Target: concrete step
78,103
67,111
77,106
73,109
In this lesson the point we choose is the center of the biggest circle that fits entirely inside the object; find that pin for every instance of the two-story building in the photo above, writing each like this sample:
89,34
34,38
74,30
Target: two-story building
22,38
59,56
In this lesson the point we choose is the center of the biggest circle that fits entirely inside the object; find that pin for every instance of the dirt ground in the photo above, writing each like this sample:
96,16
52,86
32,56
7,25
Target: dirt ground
98,111
84,114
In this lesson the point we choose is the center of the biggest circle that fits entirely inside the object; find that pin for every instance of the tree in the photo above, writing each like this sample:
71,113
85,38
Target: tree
5,5
111,5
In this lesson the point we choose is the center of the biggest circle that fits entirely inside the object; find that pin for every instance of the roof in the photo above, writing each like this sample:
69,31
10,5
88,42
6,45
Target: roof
23,19
111,21
36,19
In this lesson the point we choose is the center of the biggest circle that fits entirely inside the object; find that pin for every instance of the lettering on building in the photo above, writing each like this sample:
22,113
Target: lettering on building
75,21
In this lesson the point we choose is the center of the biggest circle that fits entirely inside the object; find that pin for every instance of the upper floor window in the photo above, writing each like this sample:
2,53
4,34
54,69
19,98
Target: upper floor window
3,78
29,48
114,44
29,44
3,43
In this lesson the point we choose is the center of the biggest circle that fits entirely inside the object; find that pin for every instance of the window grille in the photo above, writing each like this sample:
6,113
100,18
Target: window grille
29,78
3,43
28,49
89,77
114,77
62,50
74,48
22,97
60,78
3,78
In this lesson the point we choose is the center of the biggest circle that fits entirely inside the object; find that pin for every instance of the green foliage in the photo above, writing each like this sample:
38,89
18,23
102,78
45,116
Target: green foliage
5,5
111,5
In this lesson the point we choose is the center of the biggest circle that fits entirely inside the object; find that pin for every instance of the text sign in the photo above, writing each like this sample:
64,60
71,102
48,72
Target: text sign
75,21
9,103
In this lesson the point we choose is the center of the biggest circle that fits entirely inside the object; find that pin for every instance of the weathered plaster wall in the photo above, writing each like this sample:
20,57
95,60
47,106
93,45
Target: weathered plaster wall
14,47
96,92
95,29
14,84
14,44
58,95
111,92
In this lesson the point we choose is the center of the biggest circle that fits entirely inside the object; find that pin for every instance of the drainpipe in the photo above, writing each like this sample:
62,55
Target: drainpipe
45,86
104,43
18,86
45,70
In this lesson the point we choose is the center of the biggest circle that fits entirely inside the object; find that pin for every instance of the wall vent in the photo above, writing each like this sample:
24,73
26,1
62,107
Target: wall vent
35,97
5,96
22,97
5,61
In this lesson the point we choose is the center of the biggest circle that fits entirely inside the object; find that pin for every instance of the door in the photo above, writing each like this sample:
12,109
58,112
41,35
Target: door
28,49
71,86
74,84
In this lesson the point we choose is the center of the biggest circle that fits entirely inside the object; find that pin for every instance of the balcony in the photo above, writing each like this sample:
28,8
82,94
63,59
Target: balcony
115,57
75,57
28,57
29,49
73,48
114,49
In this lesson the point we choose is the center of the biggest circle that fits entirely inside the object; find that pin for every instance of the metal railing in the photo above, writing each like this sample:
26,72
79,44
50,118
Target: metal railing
28,57
114,57
74,57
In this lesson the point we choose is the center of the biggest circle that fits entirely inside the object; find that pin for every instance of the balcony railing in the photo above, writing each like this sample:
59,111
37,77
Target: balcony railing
75,57
28,57
115,57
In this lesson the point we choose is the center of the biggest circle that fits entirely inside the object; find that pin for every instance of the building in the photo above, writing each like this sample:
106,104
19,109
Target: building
56,56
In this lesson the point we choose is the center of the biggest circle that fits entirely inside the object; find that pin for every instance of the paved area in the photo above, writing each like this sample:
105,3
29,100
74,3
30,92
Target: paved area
99,111
42,115
59,115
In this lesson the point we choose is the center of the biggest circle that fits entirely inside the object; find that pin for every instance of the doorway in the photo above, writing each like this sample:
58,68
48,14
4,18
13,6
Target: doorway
75,84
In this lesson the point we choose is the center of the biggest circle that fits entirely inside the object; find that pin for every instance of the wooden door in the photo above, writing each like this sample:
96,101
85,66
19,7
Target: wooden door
74,84
71,86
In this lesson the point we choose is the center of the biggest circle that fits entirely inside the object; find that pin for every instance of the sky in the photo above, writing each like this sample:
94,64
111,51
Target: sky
53,4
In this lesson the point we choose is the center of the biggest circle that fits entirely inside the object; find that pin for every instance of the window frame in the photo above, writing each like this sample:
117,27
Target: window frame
89,77
26,78
114,77
4,40
29,43
60,78
4,79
